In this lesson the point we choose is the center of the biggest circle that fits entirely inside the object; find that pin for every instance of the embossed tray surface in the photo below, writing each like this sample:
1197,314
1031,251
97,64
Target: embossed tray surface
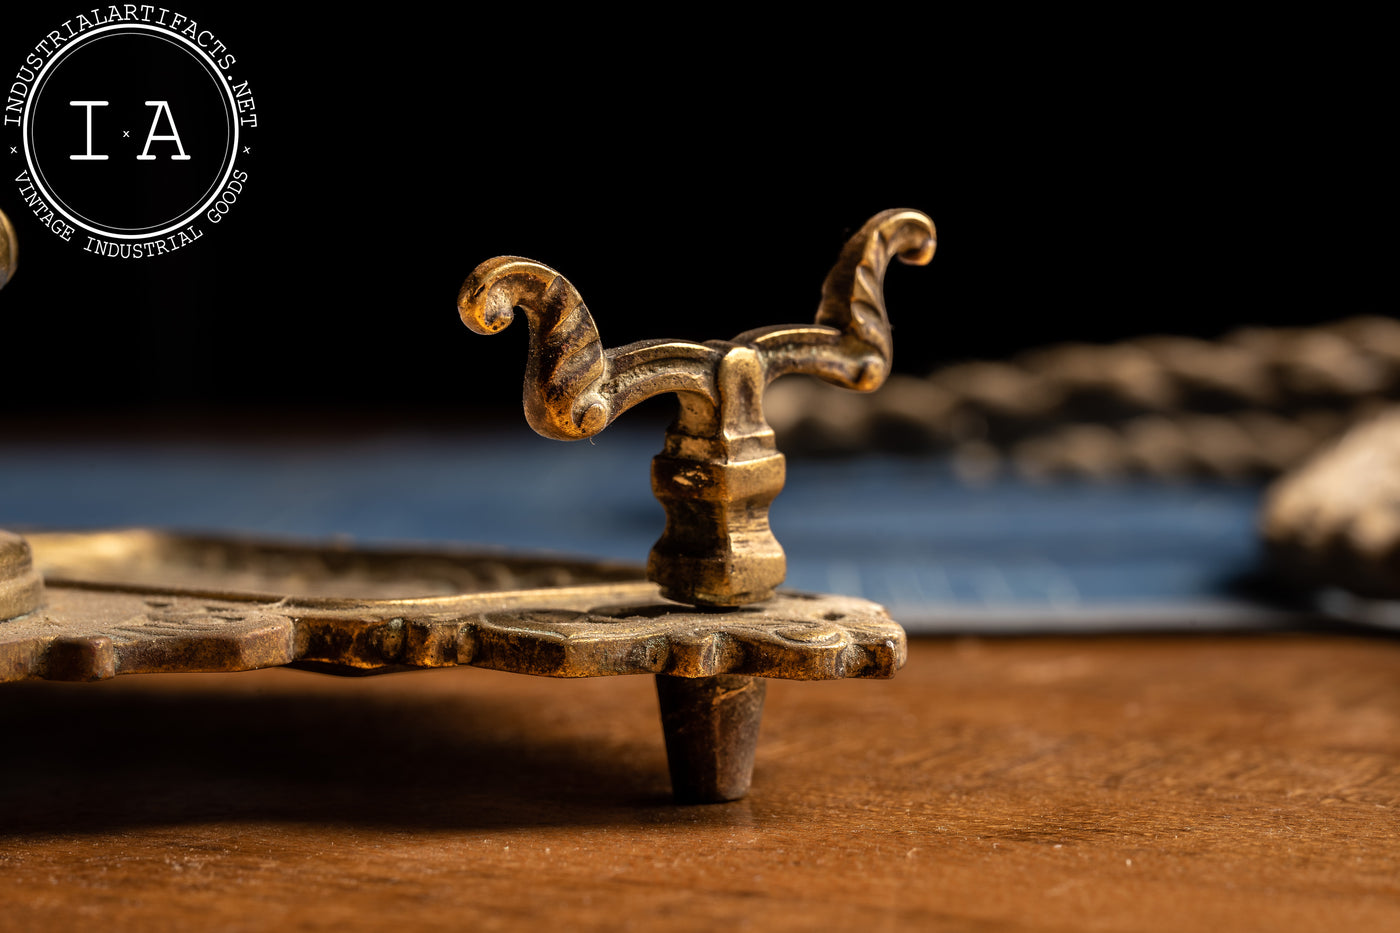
143,601
128,602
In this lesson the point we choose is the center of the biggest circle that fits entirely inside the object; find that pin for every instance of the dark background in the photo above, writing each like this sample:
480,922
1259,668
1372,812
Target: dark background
695,177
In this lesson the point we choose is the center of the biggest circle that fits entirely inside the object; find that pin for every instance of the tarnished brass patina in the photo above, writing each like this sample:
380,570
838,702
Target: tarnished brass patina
89,606
719,469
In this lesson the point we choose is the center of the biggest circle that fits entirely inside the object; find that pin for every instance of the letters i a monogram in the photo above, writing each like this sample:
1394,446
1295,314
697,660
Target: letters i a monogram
162,107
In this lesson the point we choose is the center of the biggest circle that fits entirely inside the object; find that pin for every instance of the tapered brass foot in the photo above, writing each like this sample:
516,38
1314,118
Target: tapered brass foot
711,726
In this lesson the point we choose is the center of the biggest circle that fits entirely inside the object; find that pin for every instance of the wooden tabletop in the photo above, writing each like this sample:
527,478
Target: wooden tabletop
1116,783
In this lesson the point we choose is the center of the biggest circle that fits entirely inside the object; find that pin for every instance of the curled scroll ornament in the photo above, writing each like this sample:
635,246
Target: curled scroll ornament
574,388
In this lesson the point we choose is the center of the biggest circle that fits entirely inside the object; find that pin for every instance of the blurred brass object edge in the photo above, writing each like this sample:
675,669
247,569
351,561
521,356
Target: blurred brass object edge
21,588
9,250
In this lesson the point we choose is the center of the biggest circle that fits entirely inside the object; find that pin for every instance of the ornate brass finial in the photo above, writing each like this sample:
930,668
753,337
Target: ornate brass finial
9,250
719,469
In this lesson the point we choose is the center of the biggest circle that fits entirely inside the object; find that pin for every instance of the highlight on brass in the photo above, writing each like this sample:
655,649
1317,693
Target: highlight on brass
719,469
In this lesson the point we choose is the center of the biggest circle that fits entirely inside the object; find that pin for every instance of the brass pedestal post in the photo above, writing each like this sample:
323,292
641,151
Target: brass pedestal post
720,469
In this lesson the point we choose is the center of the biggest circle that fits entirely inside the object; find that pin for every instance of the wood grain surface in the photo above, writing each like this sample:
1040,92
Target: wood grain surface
1171,783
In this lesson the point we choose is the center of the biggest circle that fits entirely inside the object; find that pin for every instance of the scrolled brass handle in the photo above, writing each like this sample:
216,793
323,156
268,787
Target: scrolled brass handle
719,470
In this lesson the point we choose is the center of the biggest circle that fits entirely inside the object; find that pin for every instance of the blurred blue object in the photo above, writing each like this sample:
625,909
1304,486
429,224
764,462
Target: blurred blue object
1008,556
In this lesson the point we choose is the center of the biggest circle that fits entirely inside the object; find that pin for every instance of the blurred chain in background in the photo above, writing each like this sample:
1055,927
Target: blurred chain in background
1254,403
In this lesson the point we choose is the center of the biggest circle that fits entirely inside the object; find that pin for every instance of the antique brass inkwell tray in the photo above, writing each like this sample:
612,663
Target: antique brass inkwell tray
704,616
